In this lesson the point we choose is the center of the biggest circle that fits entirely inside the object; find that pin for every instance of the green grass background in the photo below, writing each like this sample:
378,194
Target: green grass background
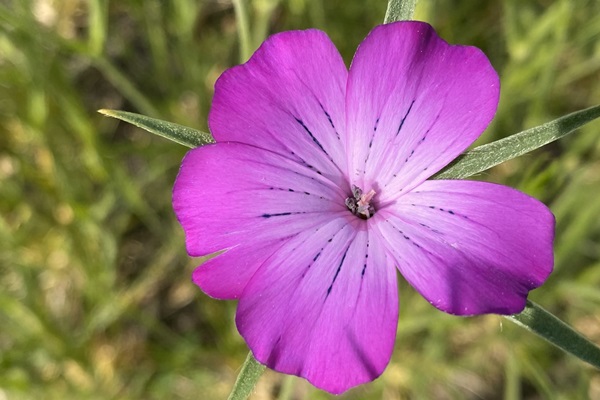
96,300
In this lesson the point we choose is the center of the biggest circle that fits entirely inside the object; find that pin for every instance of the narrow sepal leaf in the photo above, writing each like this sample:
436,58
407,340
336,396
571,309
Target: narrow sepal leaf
178,133
541,322
246,380
484,157
399,10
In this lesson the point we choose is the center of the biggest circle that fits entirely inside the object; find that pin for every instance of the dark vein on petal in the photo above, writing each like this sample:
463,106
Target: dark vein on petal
300,192
316,257
405,236
330,120
288,213
430,228
445,238
422,140
289,190
451,212
362,274
286,321
338,270
321,179
314,139
404,119
305,164
282,214
412,152
371,144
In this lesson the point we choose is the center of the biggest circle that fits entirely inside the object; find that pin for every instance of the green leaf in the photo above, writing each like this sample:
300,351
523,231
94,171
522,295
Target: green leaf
483,157
539,321
246,380
399,10
178,133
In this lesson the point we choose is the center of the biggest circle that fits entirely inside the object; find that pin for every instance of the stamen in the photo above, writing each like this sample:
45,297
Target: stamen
363,204
359,203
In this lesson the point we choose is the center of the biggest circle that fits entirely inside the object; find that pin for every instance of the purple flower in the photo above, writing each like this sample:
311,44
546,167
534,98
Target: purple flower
317,190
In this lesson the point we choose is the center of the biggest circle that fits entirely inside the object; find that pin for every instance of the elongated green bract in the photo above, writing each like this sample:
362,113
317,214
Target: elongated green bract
484,157
541,322
178,133
399,10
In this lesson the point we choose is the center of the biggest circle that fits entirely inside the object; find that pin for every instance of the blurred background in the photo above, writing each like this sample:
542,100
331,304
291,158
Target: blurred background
96,300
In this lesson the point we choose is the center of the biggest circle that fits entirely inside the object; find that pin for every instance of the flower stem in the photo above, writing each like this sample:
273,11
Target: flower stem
246,380
399,10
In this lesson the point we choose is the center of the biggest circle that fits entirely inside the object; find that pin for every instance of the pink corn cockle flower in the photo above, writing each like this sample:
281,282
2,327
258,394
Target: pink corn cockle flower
317,191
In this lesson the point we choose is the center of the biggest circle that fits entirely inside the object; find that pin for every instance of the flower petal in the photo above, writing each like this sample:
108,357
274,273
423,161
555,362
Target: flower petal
414,103
324,307
250,201
470,247
288,98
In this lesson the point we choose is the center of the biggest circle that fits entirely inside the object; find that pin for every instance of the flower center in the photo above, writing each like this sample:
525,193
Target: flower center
359,203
